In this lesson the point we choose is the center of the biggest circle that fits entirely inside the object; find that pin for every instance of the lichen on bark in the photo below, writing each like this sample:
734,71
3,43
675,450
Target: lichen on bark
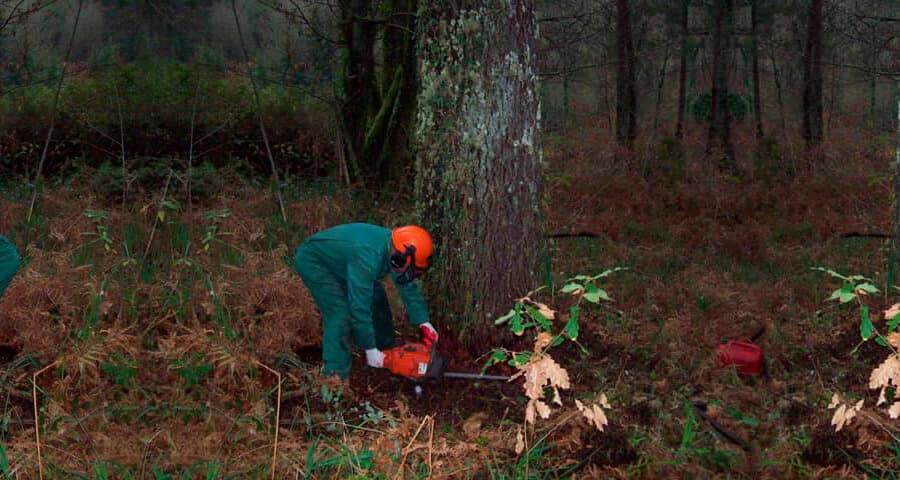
478,158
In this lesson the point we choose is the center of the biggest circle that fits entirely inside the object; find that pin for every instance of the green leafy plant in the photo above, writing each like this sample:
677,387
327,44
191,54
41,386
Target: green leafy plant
121,369
544,377
854,288
372,415
4,464
886,376
192,370
100,235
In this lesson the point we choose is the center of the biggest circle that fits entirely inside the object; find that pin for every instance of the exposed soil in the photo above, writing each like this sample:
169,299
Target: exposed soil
830,448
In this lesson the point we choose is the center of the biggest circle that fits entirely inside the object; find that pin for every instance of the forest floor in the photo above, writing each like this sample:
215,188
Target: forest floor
158,337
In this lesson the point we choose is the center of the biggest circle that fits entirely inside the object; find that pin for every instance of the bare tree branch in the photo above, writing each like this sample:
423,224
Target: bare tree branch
62,76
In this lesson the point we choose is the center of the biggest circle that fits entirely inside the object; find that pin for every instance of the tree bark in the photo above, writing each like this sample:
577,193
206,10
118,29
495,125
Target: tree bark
719,140
659,87
895,242
626,95
478,184
812,77
378,106
873,91
754,53
357,80
390,132
778,90
682,70
832,105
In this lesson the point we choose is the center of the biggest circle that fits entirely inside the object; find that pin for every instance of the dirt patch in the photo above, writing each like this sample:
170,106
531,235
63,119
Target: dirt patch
829,448
607,448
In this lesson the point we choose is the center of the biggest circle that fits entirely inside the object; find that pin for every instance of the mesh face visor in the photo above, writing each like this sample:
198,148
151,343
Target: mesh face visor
405,265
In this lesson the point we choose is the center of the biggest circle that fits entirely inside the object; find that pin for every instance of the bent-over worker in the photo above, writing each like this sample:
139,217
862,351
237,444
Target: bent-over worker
343,267
9,263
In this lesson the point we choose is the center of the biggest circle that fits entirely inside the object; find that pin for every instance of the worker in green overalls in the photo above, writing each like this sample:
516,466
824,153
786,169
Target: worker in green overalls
9,263
343,267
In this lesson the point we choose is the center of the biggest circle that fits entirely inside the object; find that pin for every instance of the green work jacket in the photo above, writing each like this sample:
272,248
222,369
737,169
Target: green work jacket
9,263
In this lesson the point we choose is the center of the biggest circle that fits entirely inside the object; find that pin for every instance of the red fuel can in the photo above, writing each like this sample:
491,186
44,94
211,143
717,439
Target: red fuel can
746,357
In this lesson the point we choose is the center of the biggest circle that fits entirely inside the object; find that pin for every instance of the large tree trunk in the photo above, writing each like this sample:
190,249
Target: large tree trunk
812,77
754,53
682,69
478,183
626,95
719,140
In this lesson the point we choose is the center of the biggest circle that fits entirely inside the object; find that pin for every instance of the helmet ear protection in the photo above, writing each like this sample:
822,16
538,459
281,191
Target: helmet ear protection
400,260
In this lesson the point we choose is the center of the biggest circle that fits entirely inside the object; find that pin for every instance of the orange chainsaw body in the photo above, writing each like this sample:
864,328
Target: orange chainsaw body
410,360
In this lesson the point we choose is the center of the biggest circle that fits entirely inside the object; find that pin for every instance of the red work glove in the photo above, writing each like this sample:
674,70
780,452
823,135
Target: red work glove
429,334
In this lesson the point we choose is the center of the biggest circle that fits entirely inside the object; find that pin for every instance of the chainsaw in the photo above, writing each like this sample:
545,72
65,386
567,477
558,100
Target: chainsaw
420,364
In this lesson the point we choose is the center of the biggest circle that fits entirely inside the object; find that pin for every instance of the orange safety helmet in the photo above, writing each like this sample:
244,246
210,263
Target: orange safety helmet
412,248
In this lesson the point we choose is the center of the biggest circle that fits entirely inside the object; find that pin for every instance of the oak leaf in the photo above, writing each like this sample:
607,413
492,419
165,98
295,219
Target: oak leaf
604,402
894,411
835,400
546,311
892,312
886,374
520,442
894,339
543,339
595,415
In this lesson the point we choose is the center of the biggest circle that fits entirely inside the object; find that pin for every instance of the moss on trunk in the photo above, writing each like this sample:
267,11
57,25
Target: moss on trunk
478,163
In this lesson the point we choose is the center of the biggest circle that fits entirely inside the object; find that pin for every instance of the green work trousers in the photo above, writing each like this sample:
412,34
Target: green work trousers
330,295
9,263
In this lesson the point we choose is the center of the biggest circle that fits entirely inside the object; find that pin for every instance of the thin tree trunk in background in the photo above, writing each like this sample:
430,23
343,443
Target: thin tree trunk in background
357,77
478,183
812,77
754,52
262,129
719,139
606,100
38,176
626,95
565,86
682,70
873,90
832,101
659,87
389,132
778,91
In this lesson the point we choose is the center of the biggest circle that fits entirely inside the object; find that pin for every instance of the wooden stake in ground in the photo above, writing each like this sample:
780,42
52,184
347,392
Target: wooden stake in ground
37,418
409,448
277,415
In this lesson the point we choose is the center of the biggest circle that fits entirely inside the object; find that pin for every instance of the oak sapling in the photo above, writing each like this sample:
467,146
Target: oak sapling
886,376
544,377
